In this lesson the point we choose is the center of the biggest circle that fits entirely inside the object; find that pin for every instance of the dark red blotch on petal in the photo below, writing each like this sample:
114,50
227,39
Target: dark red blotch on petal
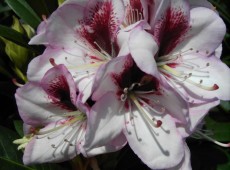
132,74
59,93
171,30
100,27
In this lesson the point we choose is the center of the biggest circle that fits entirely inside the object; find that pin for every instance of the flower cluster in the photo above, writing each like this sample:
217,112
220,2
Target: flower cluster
142,72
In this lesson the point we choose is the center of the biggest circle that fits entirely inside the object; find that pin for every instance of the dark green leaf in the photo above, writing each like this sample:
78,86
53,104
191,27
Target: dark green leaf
222,9
24,11
7,149
14,36
221,130
18,124
7,164
43,7
225,105
224,166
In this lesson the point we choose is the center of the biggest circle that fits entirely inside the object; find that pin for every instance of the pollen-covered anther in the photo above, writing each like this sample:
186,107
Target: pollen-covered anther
52,62
157,123
53,146
16,83
215,87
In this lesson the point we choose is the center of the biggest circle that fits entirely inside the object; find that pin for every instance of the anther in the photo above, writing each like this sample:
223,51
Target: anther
52,62
158,123
215,87
44,18
146,79
53,146
16,83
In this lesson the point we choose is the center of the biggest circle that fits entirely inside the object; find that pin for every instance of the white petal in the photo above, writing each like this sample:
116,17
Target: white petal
105,123
158,148
52,147
204,22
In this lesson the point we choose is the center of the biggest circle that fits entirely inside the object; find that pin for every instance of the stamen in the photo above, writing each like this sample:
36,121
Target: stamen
52,62
107,56
89,47
213,140
133,122
153,121
174,56
87,66
151,107
16,83
180,75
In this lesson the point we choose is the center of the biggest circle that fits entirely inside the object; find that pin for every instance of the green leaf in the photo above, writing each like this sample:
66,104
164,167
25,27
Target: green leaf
43,7
7,149
225,105
14,36
221,130
18,125
24,11
222,9
224,166
3,69
7,164
60,2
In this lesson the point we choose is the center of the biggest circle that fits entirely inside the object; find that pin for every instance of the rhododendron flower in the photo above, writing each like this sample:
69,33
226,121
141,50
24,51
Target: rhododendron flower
186,55
56,124
80,35
55,119
142,107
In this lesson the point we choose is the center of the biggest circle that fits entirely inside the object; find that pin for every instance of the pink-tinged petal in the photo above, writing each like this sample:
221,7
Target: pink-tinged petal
185,164
103,80
34,105
41,64
158,148
143,53
59,85
57,146
105,123
62,24
201,3
156,9
218,51
204,22
213,77
123,36
40,38
170,30
85,88
197,111
116,144
170,102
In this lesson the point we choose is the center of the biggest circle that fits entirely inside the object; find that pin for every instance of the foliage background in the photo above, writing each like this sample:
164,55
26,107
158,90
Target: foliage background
15,54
